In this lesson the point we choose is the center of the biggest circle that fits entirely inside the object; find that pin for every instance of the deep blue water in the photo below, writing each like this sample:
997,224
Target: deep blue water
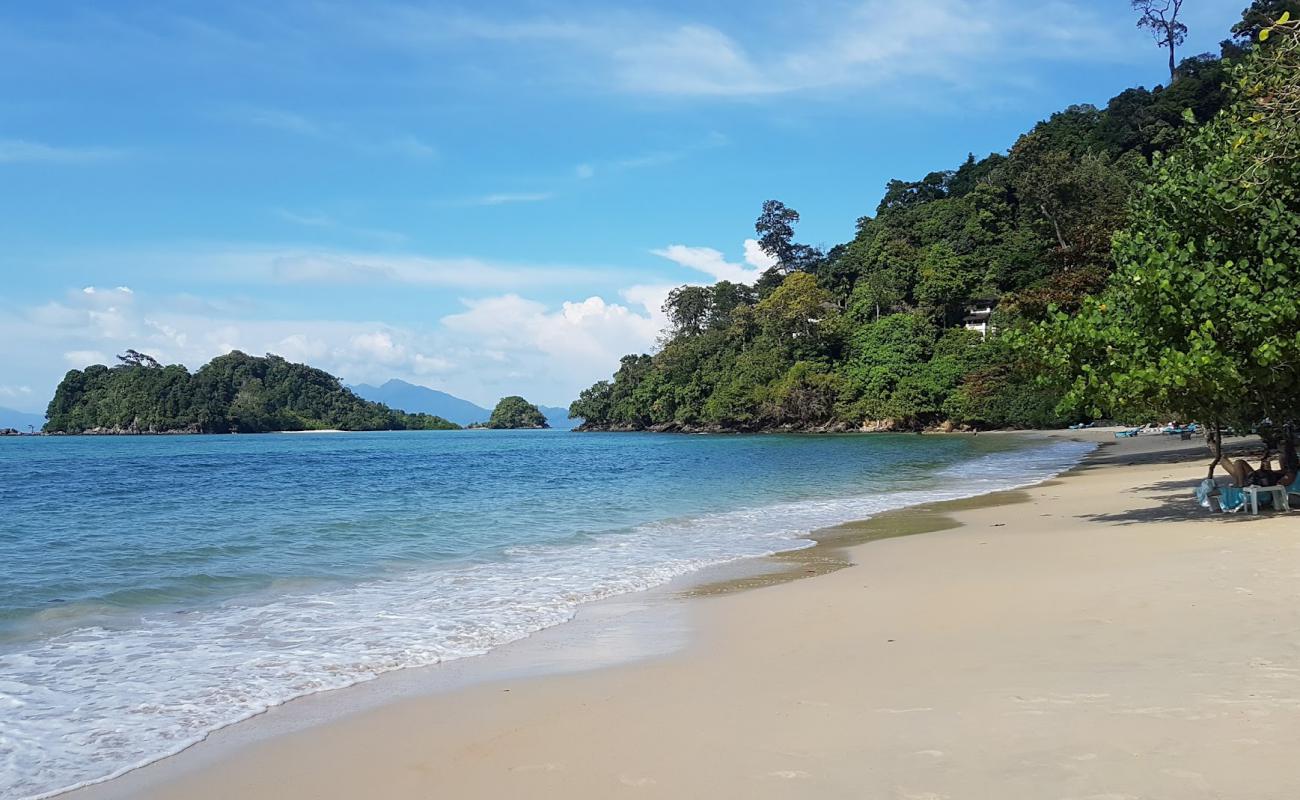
153,589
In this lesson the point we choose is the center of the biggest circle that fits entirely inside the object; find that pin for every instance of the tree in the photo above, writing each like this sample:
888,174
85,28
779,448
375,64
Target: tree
1161,18
775,229
1081,194
727,297
688,309
516,412
908,194
1199,320
134,358
794,314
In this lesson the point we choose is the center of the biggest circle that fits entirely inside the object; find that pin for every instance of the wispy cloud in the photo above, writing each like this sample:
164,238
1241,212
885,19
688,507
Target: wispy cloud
306,220
651,158
507,198
867,45
458,273
14,151
279,120
406,145
841,46
324,222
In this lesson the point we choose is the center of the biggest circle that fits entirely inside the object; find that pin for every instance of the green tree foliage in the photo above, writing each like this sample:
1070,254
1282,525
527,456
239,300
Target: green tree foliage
1260,15
871,331
231,393
1200,319
515,412
775,229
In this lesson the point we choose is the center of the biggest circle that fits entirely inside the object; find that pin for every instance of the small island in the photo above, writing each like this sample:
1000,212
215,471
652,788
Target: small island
515,413
234,393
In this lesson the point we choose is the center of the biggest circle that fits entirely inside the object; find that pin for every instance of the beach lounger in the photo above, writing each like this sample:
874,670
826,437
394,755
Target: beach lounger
1128,434
1231,499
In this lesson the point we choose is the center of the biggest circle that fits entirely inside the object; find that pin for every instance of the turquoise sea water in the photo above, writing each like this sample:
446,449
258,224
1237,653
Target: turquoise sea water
153,589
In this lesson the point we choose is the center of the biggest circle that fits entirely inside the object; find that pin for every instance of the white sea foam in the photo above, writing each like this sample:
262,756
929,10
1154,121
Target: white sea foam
91,704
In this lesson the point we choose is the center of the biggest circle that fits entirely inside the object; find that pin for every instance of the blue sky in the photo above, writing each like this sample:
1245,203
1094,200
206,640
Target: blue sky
483,198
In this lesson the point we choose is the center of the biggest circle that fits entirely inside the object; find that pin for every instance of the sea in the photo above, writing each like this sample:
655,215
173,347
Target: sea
154,589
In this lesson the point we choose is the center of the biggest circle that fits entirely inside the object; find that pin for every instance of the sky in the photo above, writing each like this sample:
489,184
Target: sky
483,198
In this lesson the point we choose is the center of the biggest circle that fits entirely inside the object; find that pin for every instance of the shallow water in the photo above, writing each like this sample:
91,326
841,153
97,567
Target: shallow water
153,589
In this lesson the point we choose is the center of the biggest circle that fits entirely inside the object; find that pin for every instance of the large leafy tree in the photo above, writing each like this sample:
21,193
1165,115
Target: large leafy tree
1201,318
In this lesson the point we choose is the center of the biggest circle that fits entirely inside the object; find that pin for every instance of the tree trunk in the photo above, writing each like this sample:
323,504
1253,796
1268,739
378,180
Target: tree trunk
1216,441
1173,70
1057,228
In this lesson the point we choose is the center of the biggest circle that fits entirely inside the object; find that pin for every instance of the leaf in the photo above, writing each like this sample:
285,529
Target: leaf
1263,35
1284,19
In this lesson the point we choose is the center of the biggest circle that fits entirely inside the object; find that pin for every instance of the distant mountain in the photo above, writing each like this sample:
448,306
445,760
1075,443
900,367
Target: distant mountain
558,418
421,399
19,420
413,398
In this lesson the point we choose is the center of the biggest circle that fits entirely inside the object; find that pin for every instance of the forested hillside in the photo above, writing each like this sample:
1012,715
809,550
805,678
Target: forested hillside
871,334
232,393
1200,319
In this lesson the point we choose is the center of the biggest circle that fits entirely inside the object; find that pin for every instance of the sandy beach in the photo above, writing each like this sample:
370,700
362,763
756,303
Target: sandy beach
1098,636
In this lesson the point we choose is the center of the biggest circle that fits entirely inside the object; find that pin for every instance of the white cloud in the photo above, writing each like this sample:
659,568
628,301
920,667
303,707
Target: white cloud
499,345
704,260
121,291
756,257
533,345
584,171
14,151
714,264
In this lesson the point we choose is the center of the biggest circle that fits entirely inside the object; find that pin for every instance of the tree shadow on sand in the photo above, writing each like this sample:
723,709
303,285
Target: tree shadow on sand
1177,503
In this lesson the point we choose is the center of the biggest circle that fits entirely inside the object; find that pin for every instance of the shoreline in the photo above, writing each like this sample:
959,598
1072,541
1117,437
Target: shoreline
837,548
826,553
804,549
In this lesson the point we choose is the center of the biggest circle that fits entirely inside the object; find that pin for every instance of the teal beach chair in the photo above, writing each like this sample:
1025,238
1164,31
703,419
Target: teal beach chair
1231,499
